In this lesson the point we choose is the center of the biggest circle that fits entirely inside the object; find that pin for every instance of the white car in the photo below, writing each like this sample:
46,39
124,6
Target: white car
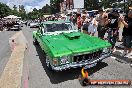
34,25
15,27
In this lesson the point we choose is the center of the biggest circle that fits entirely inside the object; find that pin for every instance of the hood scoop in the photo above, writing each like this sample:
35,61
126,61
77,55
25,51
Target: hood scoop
72,35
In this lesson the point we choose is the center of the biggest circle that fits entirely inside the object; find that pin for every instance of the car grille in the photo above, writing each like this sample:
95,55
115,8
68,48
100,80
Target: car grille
87,57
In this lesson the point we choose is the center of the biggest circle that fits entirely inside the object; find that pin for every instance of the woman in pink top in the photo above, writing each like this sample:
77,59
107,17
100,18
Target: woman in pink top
79,23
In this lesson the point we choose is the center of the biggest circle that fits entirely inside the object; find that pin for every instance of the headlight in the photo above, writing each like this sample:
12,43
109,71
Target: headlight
55,61
64,60
106,50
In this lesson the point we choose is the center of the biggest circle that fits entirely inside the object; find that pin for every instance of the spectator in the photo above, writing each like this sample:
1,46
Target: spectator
113,27
127,34
74,19
102,22
92,28
85,26
79,23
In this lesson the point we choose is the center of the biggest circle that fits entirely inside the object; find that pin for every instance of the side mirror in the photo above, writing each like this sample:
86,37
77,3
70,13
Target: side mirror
39,34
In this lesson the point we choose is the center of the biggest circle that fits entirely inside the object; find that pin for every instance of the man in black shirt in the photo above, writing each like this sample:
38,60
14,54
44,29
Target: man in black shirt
127,34
85,26
113,27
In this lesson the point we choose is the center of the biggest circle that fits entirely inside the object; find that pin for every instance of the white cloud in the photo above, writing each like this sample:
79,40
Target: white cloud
43,3
28,8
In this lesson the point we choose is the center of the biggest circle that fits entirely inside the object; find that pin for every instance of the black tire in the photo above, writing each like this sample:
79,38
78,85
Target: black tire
99,62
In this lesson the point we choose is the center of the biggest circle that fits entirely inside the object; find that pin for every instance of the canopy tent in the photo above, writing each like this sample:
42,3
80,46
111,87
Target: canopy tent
12,17
63,15
46,15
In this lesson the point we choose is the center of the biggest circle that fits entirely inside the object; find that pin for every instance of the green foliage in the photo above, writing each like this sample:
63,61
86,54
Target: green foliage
95,4
55,6
4,10
46,10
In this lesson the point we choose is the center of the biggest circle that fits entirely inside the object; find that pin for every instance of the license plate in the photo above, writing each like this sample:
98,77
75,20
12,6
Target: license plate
90,66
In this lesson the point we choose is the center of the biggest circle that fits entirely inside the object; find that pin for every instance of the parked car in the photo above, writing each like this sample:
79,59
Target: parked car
15,27
66,48
34,25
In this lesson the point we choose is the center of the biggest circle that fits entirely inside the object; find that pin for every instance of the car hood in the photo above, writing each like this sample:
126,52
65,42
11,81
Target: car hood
73,43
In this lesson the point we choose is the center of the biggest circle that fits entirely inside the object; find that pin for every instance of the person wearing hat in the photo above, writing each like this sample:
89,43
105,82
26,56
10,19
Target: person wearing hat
102,20
127,30
113,28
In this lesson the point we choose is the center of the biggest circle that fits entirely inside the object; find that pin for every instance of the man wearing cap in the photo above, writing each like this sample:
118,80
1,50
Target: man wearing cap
102,22
128,34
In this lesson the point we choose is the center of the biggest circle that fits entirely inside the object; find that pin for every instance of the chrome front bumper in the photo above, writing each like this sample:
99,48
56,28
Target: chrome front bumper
80,64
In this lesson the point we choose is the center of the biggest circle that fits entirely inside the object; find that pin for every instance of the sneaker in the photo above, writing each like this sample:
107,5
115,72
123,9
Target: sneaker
128,55
124,54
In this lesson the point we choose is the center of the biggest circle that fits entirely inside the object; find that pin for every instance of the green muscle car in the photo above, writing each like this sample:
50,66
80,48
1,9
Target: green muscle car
66,48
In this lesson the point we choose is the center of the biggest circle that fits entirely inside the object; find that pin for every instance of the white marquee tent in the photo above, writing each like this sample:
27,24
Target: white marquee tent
12,17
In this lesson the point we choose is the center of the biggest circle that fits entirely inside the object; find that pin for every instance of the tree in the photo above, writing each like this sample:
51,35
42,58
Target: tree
91,4
34,14
4,10
55,6
46,9
22,12
14,7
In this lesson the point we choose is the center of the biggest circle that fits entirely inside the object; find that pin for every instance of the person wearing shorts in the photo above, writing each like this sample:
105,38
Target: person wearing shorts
127,35
113,28
92,28
102,20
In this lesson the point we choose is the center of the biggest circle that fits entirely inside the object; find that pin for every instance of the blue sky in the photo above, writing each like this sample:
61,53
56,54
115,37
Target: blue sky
29,4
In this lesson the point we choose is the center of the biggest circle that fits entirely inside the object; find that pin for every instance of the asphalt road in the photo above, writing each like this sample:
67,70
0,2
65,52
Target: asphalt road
5,50
40,77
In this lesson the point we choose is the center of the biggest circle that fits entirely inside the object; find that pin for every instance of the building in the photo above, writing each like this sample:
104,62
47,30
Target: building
66,5
69,4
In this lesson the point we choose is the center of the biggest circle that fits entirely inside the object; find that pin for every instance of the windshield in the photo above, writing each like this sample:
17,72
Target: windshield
58,27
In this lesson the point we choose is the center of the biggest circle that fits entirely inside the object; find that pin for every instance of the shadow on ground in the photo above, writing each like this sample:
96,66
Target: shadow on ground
71,74
120,58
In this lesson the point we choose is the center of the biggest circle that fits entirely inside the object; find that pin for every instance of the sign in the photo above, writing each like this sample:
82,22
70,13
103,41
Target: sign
78,3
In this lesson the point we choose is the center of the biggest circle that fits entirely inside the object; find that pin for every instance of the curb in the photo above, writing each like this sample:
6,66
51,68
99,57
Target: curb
12,74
